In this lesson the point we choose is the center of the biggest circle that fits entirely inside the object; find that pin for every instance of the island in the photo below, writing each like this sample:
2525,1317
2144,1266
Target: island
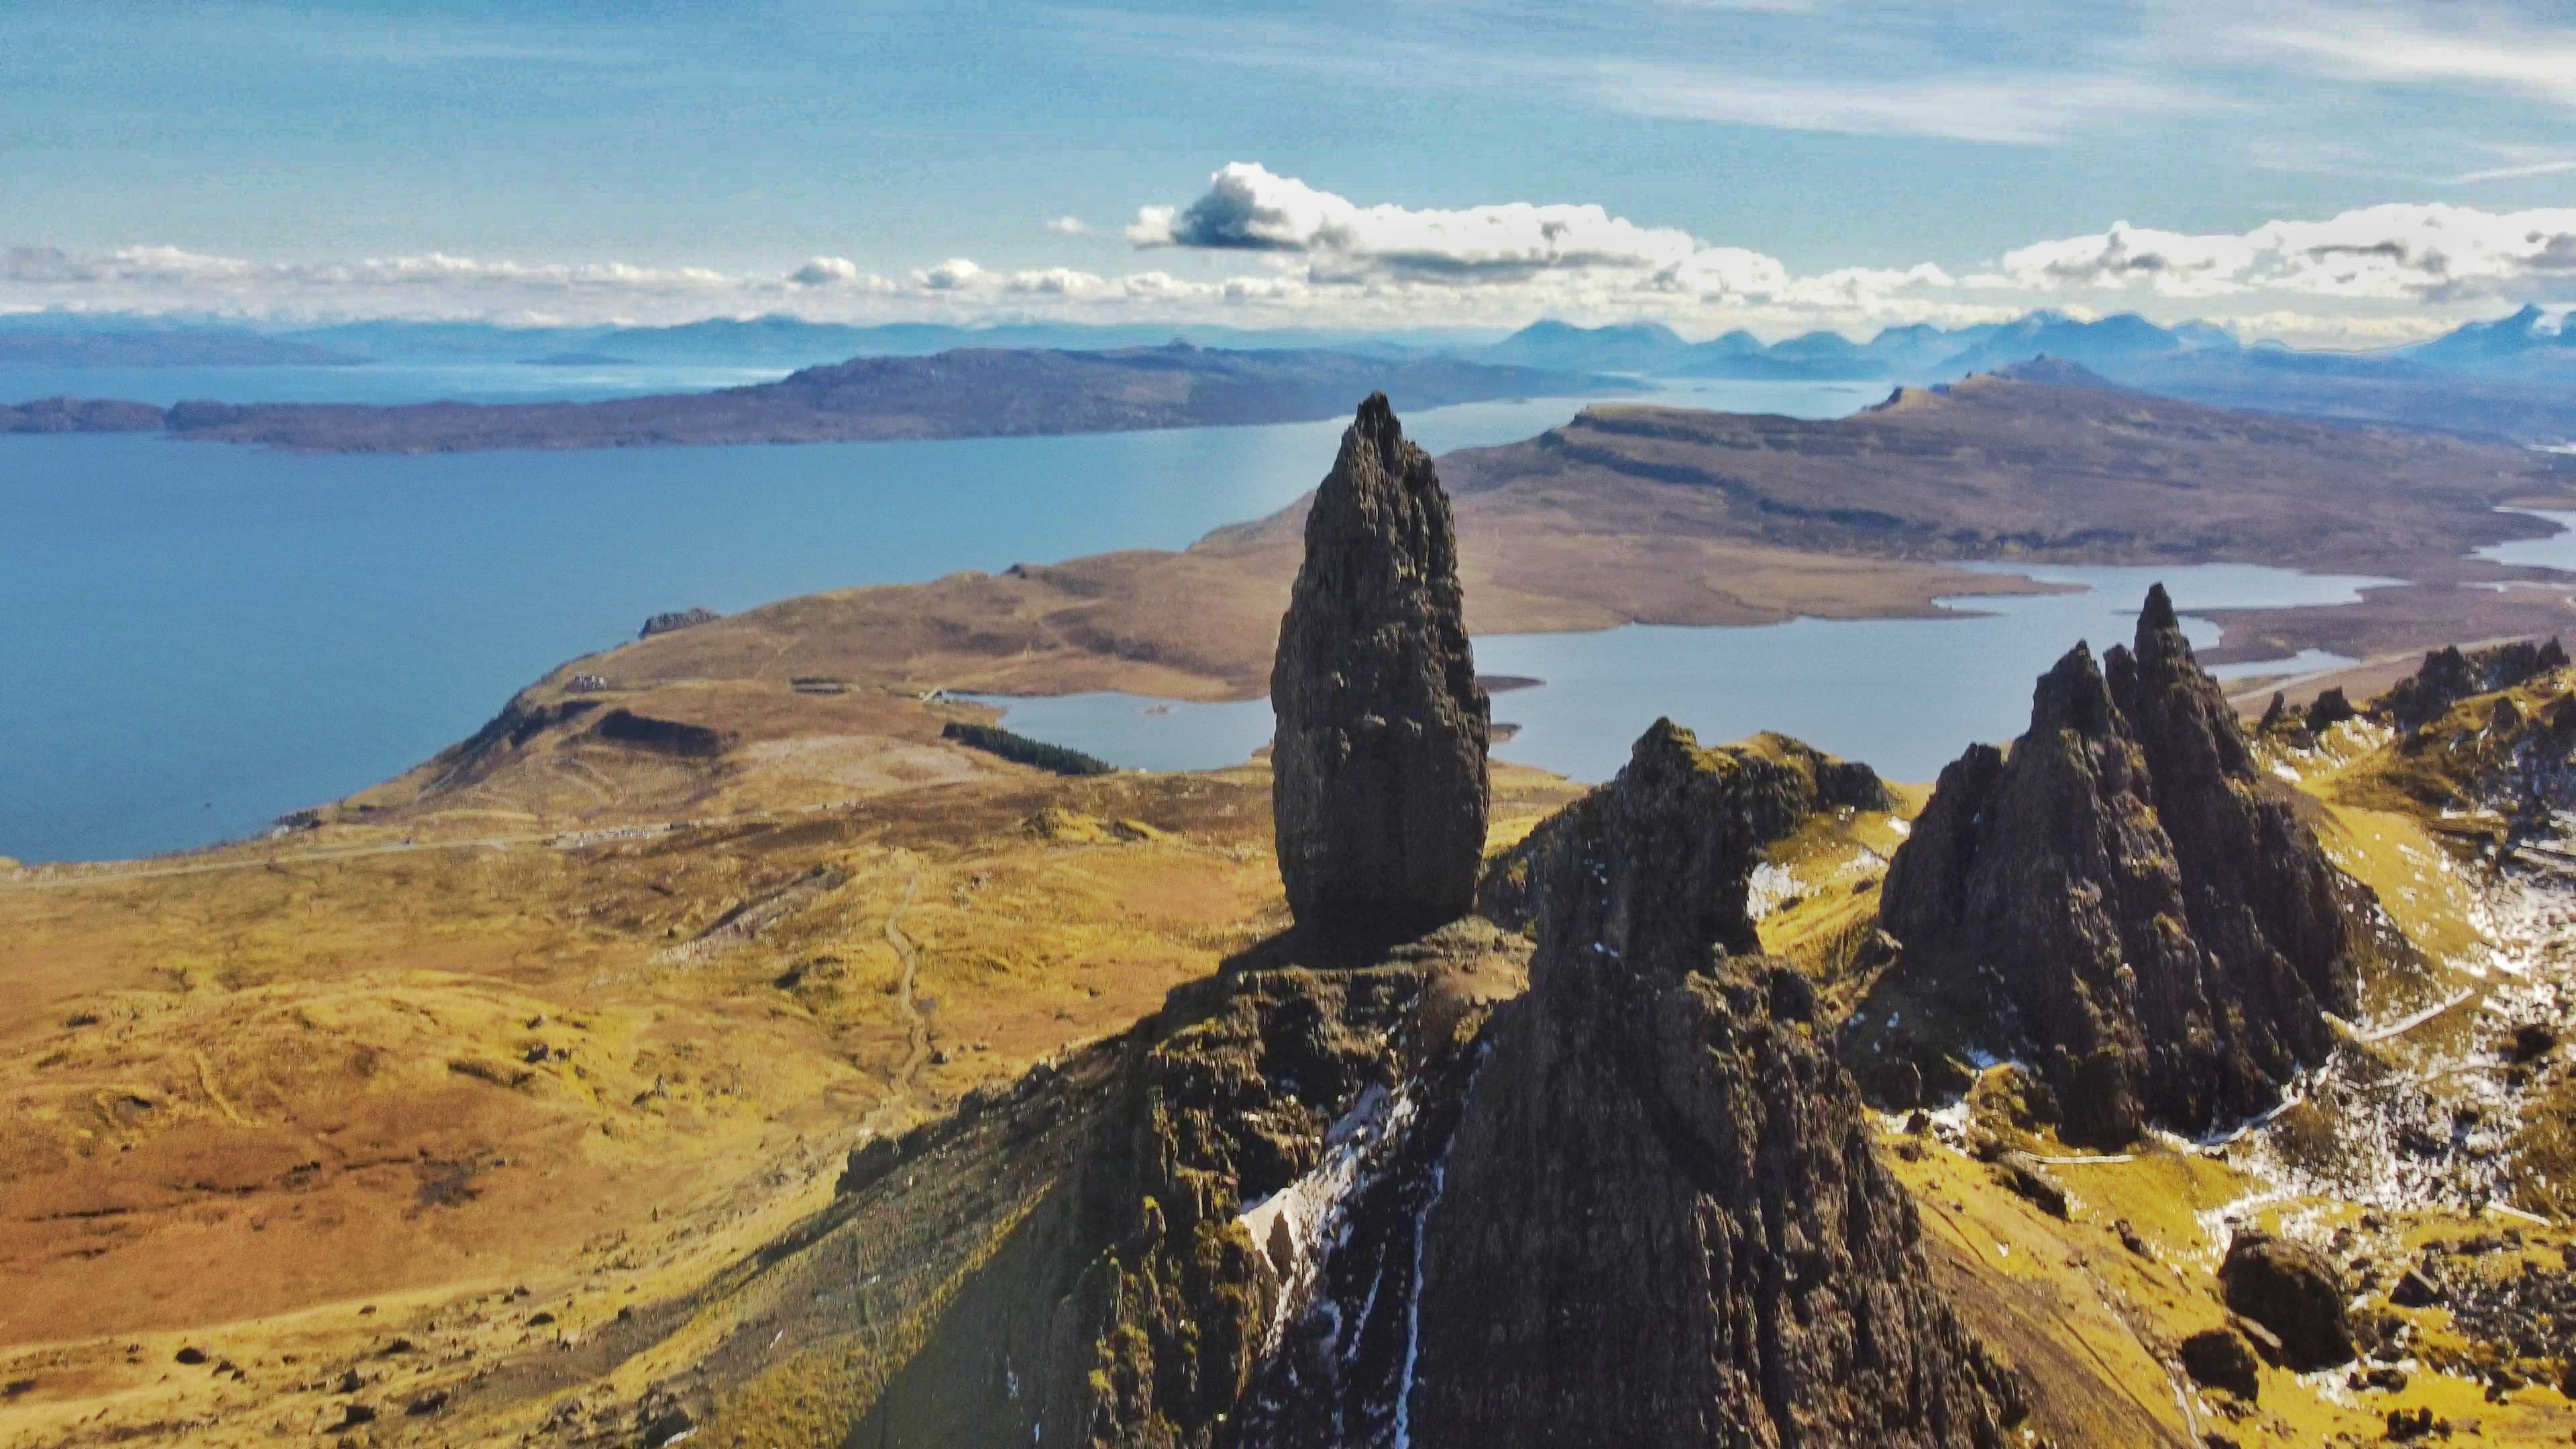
961,393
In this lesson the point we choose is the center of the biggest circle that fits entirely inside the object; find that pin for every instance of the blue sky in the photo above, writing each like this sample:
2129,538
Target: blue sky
655,161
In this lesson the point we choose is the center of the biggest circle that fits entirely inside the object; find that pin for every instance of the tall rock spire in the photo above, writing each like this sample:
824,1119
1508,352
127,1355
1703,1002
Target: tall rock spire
1380,788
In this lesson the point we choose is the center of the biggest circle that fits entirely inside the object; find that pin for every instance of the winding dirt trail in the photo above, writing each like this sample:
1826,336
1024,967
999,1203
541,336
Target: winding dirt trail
916,1025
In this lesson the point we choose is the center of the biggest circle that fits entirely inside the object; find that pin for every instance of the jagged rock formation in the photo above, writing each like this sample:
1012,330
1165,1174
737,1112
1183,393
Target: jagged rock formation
2127,899
1379,761
1662,1221
2448,676
2328,709
1367,1207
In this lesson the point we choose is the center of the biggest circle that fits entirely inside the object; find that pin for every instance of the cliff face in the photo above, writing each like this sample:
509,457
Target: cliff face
2126,898
1379,762
1662,1221
1225,1253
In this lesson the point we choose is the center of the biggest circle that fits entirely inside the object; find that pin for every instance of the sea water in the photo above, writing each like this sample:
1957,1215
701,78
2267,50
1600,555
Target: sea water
196,638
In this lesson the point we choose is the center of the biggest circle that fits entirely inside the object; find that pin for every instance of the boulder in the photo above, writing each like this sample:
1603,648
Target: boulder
2414,1289
1379,776
2292,1290
2022,1175
2220,1358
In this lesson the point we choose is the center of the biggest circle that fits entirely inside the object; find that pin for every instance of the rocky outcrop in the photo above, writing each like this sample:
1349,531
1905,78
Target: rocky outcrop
1379,761
676,619
1662,1221
2448,676
665,736
1224,1256
1796,780
2126,900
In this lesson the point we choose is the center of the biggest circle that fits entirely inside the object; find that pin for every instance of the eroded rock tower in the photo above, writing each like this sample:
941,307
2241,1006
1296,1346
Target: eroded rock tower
1380,788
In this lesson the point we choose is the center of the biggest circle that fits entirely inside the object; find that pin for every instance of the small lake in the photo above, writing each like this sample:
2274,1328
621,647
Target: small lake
2558,551
197,638
1906,695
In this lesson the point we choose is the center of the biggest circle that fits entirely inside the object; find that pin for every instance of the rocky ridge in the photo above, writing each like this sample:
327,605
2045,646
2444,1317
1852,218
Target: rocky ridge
1663,1221
2128,898
2451,675
1365,1205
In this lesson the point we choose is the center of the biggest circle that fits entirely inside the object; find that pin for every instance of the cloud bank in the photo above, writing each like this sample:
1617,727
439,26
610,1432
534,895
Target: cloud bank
1256,248
2431,253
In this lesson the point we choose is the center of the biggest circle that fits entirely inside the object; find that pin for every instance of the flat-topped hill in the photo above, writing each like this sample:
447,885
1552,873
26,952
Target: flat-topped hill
2056,464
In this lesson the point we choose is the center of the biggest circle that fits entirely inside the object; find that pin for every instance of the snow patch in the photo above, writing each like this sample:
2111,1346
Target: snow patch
1295,1227
1771,887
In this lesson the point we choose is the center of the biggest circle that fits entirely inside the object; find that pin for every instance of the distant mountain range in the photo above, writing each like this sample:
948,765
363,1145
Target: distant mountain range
2524,345
2514,377
1924,354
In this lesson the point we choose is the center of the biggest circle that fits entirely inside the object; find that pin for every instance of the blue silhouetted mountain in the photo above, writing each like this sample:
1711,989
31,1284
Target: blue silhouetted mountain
2110,346
1642,347
2515,345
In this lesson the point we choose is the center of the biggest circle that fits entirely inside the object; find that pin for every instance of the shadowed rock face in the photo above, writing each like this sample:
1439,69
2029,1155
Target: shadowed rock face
1661,1221
2128,899
1379,762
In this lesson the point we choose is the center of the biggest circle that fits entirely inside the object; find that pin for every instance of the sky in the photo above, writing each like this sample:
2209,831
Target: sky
2337,172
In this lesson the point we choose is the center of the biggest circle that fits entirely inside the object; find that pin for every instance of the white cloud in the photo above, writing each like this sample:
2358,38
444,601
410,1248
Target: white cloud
2455,46
2020,108
1248,208
949,275
1059,282
2533,165
1256,249
837,272
2430,252
1068,226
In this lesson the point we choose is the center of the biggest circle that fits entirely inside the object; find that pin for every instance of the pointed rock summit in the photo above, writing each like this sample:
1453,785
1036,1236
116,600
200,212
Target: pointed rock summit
1379,780
2127,899
1662,1221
